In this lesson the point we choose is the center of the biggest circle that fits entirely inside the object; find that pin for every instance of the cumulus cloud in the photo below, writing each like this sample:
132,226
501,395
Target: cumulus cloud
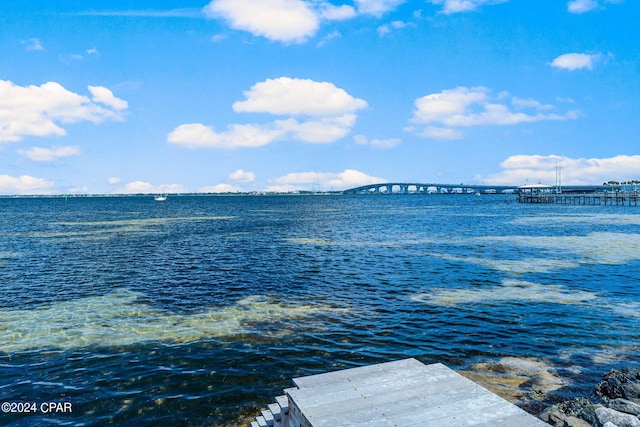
443,114
197,135
324,180
102,95
319,112
521,169
220,188
575,61
39,110
39,154
457,6
288,96
238,176
290,21
114,180
242,176
582,6
25,185
143,187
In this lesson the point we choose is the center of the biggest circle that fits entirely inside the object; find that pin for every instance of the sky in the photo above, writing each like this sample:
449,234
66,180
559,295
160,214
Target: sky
219,96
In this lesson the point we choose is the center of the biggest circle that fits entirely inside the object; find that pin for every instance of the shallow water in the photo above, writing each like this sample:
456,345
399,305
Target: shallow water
199,310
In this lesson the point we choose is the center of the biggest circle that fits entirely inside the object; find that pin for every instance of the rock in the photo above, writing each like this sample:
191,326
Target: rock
578,412
609,424
610,388
623,383
626,406
631,391
575,422
553,416
605,415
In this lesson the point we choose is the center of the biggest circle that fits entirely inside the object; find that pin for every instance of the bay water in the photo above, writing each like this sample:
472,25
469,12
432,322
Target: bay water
197,311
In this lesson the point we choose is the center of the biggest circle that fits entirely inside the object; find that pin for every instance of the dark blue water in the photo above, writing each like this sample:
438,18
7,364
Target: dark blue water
199,310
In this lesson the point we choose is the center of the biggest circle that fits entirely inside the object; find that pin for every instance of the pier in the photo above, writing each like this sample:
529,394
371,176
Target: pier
401,393
616,199
546,194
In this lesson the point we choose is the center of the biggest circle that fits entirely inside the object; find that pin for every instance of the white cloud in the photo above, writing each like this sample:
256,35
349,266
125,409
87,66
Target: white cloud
320,131
38,110
32,44
319,112
24,185
102,95
435,132
383,144
332,35
242,176
332,12
142,187
289,21
385,29
39,154
220,188
92,51
457,6
289,96
114,180
324,180
196,135
377,7
581,6
445,112
78,190
523,103
575,61
521,169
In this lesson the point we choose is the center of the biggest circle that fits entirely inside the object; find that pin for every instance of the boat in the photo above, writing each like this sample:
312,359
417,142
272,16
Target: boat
160,198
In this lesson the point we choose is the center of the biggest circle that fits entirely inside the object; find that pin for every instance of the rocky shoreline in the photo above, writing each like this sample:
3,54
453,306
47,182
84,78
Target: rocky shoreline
616,404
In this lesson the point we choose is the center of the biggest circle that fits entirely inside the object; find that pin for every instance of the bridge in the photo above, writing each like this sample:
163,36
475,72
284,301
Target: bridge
433,188
429,188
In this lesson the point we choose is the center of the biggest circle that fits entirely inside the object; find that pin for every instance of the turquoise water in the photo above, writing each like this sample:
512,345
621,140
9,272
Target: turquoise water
199,310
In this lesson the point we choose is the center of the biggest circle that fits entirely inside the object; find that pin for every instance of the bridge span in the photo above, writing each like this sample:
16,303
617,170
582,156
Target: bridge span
429,188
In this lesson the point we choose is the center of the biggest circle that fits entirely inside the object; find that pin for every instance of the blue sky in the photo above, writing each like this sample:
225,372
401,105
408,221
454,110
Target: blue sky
279,95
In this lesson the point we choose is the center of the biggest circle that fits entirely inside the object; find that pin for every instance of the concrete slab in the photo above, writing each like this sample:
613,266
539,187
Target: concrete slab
402,393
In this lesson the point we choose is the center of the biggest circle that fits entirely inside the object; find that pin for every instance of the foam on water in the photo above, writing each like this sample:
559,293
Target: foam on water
122,318
509,290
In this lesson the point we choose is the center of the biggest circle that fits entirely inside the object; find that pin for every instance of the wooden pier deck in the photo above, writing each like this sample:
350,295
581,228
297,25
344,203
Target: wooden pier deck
403,393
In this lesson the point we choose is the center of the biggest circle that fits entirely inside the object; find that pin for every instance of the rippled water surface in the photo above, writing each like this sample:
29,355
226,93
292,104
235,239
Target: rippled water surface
199,310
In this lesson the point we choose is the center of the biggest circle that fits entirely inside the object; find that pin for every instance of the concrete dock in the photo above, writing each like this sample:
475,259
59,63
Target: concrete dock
402,393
